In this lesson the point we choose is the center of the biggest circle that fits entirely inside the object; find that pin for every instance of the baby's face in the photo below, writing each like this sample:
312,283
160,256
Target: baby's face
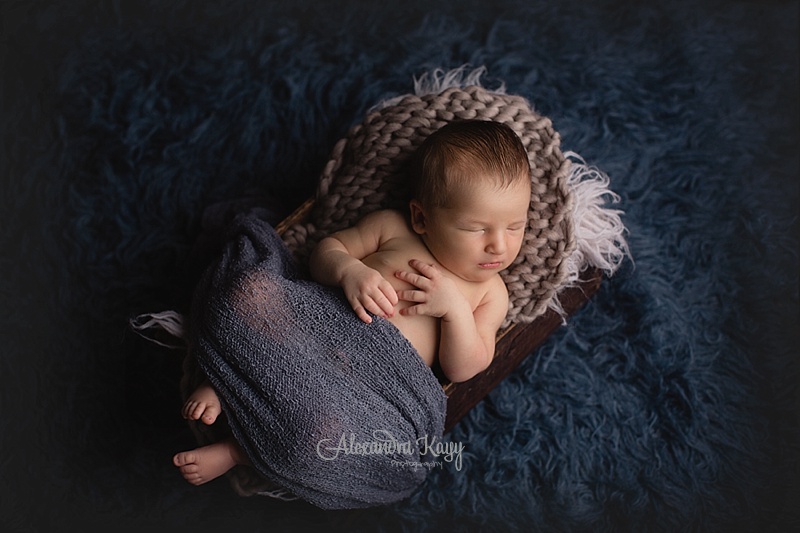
480,232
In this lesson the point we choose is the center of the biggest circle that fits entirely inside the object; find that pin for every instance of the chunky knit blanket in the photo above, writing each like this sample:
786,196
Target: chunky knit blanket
365,173
336,411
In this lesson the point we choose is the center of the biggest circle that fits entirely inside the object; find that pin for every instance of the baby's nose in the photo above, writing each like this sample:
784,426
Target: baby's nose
496,244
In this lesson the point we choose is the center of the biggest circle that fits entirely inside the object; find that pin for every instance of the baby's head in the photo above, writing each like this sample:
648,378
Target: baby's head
471,194
462,154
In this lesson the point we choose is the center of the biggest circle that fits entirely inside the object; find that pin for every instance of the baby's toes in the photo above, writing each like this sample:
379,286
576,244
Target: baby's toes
199,411
210,414
190,410
183,459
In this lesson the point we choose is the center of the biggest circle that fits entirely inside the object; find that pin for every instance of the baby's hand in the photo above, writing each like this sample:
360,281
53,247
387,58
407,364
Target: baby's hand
368,292
435,294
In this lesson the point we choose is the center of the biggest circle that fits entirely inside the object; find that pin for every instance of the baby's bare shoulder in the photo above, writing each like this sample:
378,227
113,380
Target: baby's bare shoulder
386,216
493,307
386,221
495,293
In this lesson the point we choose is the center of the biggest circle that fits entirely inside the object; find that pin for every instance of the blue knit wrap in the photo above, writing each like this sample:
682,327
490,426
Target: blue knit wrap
331,409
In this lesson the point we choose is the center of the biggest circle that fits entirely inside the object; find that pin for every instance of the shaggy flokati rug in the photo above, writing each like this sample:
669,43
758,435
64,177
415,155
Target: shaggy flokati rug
669,403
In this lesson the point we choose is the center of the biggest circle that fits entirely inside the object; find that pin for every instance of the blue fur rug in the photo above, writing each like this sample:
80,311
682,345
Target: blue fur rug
669,403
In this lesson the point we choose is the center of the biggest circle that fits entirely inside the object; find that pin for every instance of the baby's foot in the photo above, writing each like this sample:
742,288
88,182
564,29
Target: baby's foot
203,405
207,463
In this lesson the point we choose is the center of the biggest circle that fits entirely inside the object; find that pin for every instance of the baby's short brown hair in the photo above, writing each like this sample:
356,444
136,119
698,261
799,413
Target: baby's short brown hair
462,150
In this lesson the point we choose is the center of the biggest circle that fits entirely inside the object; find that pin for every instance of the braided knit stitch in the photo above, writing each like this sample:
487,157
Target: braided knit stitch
366,172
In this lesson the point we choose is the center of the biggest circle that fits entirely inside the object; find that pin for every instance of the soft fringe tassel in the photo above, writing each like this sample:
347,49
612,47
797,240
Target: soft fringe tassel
599,231
279,494
439,80
171,322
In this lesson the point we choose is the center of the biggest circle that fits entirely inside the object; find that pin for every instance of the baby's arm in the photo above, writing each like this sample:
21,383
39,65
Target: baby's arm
337,261
467,338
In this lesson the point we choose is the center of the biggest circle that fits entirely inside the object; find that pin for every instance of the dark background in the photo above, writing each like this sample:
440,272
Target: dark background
668,403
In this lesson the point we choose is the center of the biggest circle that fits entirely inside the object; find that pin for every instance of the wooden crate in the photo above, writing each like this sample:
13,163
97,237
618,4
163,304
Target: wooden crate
513,344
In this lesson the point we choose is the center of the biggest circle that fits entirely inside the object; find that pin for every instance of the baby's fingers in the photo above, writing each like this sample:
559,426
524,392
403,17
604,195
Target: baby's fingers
377,305
426,269
382,299
412,278
381,305
361,312
416,309
390,294
412,296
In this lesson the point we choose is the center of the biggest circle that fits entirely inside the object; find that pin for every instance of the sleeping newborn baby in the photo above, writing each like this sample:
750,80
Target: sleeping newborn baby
431,274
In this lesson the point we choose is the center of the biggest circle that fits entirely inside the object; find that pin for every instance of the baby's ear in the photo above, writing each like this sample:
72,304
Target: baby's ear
418,217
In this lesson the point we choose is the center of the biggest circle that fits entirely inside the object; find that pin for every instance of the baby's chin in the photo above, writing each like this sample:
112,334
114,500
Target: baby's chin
480,275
